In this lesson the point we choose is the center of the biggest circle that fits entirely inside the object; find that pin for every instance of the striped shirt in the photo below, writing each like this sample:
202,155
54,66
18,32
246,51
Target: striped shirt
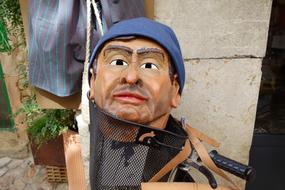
57,36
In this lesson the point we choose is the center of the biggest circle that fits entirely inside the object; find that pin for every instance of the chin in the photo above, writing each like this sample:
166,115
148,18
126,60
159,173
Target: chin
129,112
129,116
133,117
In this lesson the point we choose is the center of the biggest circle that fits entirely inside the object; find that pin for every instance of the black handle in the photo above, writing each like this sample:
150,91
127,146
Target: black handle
209,175
182,173
231,166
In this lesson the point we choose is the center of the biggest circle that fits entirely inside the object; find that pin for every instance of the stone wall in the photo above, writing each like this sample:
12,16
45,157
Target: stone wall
217,29
223,43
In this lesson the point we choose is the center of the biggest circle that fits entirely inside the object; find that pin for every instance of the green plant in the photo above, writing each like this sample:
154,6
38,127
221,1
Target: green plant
4,40
50,125
11,25
45,124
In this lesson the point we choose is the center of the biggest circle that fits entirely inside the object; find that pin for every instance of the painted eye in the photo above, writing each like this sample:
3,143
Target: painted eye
118,62
149,66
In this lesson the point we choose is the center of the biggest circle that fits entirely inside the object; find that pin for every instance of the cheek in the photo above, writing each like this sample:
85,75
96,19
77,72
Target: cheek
161,91
104,84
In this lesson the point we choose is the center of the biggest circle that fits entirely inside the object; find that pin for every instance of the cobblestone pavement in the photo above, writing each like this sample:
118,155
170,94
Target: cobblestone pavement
22,174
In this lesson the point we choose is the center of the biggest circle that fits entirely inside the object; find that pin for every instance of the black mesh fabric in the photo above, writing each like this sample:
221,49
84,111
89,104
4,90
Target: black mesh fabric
123,154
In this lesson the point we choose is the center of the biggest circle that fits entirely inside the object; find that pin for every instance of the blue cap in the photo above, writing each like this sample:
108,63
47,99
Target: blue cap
150,29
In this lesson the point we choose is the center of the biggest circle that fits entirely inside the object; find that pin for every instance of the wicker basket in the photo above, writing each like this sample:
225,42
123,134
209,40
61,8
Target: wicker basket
56,174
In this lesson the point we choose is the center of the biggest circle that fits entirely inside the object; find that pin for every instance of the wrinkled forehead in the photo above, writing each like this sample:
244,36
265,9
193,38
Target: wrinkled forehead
133,44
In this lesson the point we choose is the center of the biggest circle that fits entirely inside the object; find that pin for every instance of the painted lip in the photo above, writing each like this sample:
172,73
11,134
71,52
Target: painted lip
129,97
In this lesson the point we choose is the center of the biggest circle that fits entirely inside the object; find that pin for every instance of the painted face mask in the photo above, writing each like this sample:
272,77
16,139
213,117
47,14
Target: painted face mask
133,81
124,154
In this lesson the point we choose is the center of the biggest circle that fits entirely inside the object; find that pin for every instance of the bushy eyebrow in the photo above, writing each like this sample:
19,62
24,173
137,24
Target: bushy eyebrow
150,50
139,51
118,47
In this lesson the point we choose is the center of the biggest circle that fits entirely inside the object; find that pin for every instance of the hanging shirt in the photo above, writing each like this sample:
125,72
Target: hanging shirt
57,36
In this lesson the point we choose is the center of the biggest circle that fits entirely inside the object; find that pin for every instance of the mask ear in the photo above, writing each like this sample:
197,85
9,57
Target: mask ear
92,81
176,95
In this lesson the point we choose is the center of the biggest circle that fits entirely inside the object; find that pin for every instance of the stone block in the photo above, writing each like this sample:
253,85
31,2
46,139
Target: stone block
221,28
220,99
3,171
19,184
4,161
6,181
14,164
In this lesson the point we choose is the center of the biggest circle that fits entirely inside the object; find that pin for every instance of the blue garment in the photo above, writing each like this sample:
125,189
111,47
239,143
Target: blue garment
153,30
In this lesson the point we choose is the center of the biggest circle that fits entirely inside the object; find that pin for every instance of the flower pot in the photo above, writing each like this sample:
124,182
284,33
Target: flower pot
49,154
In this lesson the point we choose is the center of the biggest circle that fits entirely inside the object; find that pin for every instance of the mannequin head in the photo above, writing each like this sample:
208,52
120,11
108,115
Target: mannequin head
133,81
137,72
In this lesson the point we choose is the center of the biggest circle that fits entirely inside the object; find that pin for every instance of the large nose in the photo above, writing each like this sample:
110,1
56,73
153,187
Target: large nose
131,74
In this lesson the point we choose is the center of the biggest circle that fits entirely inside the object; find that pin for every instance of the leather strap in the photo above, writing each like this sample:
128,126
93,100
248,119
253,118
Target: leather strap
203,154
202,136
180,157
194,136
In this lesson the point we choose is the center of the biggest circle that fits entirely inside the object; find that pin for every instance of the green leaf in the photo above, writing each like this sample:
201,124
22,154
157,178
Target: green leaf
11,24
